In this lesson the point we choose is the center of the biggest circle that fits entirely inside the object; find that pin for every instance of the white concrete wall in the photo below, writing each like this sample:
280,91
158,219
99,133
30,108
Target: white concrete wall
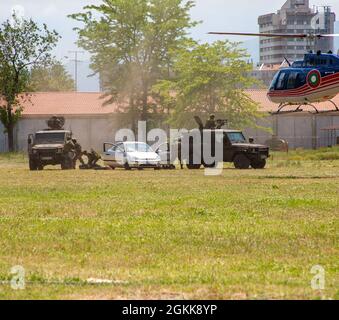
295,129
305,130
301,130
93,131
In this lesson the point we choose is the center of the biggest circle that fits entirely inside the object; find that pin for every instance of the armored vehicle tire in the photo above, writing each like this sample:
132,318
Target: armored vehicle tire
241,162
168,167
209,166
67,164
32,165
258,164
193,166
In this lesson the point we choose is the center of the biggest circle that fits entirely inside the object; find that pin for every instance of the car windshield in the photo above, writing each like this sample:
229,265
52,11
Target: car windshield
138,147
55,137
236,137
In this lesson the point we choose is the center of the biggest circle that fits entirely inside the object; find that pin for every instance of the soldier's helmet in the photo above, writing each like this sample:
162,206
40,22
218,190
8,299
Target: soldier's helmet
212,116
74,140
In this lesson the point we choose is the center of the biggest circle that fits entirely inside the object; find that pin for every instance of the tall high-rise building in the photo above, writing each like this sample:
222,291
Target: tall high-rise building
295,16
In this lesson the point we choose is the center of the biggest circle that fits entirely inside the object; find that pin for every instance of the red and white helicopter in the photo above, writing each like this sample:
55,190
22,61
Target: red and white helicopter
312,80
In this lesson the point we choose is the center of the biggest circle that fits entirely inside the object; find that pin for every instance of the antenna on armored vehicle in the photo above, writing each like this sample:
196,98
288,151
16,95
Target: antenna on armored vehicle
199,122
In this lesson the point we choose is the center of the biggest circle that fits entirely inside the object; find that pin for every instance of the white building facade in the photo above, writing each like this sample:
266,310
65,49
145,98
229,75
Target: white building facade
295,16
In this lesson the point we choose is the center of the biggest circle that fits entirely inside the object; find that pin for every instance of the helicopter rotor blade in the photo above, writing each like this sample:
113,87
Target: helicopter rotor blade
270,35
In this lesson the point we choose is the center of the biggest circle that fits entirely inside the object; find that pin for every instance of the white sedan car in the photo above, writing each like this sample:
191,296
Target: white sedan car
130,155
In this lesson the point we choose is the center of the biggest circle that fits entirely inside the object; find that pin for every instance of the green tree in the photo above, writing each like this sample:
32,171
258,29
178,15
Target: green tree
210,79
51,79
131,42
23,45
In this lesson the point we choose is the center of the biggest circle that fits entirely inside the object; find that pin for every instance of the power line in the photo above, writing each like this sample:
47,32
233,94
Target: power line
76,61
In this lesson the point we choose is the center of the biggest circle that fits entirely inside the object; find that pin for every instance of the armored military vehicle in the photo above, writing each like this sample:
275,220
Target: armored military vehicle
236,149
48,147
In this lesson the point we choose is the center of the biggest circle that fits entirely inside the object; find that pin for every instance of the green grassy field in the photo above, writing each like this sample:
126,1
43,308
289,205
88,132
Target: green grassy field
172,234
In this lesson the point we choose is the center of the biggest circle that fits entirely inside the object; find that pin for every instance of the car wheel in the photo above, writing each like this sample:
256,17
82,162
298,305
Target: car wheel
241,162
258,164
127,167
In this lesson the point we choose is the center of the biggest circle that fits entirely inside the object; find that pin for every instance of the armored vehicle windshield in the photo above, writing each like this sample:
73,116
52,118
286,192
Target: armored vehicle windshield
50,137
236,137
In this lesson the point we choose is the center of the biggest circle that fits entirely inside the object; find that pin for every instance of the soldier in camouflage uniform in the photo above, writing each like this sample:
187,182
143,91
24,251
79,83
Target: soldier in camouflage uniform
210,124
69,146
78,152
69,151
93,158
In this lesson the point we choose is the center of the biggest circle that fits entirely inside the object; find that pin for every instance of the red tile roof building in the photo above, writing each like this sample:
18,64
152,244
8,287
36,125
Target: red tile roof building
81,103
94,123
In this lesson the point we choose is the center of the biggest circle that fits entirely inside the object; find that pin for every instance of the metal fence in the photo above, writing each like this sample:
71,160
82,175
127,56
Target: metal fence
3,139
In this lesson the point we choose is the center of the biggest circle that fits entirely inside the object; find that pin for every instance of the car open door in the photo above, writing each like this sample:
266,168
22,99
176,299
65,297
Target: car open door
108,154
108,145
113,155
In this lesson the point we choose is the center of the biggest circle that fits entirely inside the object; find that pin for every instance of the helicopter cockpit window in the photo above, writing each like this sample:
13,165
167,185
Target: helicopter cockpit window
300,80
292,80
281,81
274,81
295,80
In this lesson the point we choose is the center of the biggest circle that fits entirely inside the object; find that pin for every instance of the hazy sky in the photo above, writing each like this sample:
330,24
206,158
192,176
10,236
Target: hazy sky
217,15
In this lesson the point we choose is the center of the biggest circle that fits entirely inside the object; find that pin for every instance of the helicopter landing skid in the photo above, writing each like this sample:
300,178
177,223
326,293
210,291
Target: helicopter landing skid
299,109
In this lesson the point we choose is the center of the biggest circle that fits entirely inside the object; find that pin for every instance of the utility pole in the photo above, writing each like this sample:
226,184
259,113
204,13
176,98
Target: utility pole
76,61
